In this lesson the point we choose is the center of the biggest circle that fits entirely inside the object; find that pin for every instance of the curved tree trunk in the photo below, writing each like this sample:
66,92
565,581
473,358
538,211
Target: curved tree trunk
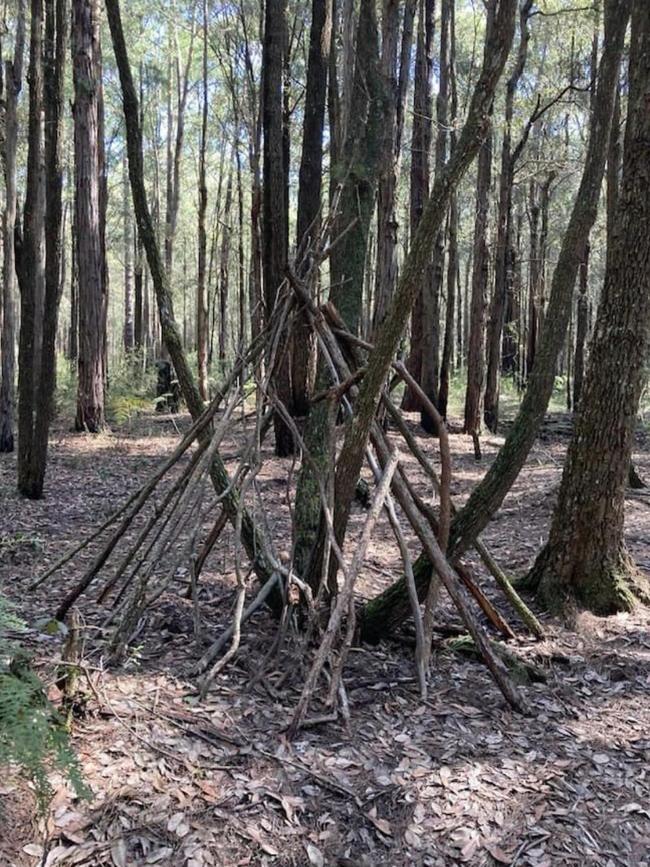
585,561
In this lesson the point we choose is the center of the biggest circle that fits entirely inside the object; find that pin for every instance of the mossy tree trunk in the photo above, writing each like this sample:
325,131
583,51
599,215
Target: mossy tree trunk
585,561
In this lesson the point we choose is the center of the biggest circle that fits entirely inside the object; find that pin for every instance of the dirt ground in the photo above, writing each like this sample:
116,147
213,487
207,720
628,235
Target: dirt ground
459,779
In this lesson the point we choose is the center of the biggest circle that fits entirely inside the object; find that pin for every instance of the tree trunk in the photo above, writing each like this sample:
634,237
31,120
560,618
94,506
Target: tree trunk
394,72
357,170
358,158
90,252
201,287
480,274
419,189
502,268
13,74
585,562
430,370
309,191
452,254
275,225
129,324
224,272
582,324
29,254
56,24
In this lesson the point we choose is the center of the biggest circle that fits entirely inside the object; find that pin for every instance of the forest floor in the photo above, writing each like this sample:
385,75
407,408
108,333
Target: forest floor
459,779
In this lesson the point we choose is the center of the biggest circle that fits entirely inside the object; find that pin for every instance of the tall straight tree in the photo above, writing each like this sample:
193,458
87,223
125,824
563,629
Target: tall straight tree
310,186
395,71
29,254
275,221
36,419
129,313
13,75
357,170
585,561
86,68
429,377
480,276
419,181
503,276
201,282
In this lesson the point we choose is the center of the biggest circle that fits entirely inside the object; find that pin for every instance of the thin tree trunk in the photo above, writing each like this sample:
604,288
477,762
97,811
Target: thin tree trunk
502,273
419,181
480,275
452,222
582,325
129,324
201,287
275,223
310,190
13,74
395,73
224,272
29,254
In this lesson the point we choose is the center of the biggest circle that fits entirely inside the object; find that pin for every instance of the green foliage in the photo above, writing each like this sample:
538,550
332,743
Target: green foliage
32,734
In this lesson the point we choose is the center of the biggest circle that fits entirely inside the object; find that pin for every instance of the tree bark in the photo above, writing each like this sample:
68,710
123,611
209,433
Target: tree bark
13,74
310,191
357,172
395,74
129,324
502,269
419,181
585,562
275,223
88,205
480,274
201,286
29,255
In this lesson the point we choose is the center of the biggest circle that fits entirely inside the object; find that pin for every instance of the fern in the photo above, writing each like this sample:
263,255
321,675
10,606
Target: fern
32,734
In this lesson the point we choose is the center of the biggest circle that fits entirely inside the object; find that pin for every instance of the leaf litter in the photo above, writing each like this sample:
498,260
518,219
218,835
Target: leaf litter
458,780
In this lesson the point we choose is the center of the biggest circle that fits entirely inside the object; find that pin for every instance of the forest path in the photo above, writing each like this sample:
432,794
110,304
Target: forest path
459,779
